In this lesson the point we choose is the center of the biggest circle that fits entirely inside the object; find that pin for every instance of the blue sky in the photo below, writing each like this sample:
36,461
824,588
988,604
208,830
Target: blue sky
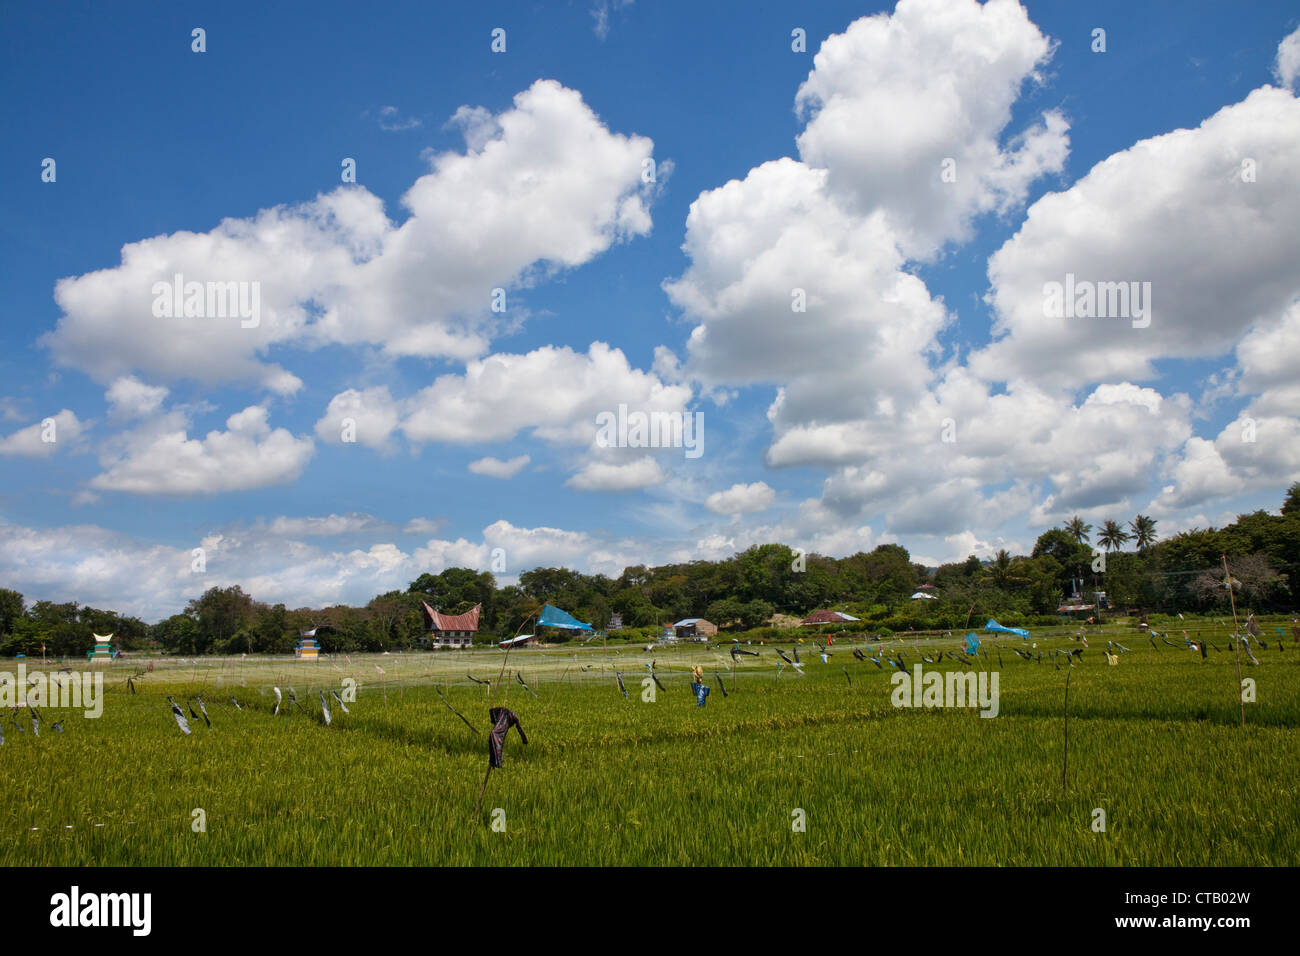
821,428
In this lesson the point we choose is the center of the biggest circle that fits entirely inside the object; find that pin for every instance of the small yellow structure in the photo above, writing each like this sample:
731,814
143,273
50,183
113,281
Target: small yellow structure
307,649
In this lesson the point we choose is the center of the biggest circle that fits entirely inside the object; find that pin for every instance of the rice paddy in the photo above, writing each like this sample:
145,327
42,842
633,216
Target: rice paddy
817,768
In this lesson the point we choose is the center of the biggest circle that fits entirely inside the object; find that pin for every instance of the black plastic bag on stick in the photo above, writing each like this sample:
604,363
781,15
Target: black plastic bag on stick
502,721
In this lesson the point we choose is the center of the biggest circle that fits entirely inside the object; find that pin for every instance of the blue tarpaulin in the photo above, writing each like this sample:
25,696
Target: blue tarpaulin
993,625
554,617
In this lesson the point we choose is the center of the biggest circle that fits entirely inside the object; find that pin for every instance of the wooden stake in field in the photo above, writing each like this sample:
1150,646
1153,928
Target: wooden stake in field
492,690
1065,762
481,790
1236,636
454,710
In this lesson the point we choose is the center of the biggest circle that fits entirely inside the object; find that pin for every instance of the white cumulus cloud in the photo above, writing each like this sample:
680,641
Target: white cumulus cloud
496,468
1287,65
161,459
741,498
550,188
627,476
44,438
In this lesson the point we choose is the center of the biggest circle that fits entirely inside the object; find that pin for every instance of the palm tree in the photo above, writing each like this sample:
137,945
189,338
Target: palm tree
1077,530
1144,532
1112,536
1004,572
1001,569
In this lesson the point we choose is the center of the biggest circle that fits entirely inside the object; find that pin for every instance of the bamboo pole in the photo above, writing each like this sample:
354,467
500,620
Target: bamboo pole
509,647
1236,637
1065,763
479,803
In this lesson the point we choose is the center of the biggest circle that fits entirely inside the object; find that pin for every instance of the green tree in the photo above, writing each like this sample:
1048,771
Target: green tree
455,590
11,609
636,608
550,585
221,613
1004,573
176,634
1144,532
765,574
1077,529
890,568
59,627
23,638
726,612
755,614
1043,575
1074,559
1112,536
270,630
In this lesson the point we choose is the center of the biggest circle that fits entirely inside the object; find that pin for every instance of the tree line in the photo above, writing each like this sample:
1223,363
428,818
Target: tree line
741,593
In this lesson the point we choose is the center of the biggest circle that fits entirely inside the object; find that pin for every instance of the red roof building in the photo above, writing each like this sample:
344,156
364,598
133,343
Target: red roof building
452,630
828,617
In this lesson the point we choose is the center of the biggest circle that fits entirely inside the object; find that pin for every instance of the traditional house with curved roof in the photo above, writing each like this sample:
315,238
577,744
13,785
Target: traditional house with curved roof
452,630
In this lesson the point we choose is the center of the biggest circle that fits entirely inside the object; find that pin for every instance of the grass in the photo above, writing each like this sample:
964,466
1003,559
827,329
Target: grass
1155,742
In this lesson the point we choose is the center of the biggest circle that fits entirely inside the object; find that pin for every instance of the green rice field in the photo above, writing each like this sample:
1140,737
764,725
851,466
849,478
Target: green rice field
787,769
